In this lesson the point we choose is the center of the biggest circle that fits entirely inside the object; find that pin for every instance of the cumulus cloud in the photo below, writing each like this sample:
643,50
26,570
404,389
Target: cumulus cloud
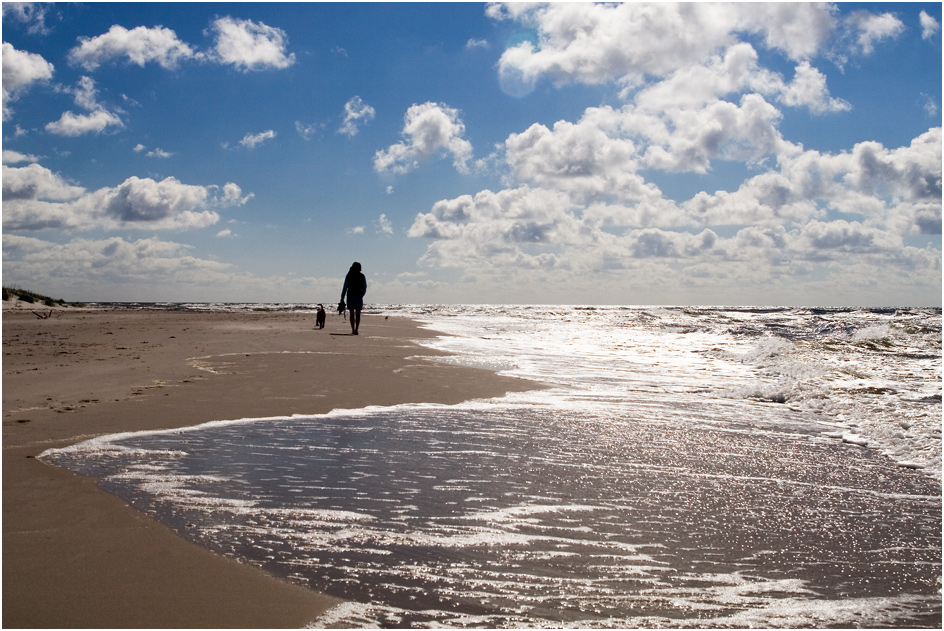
781,217
96,121
734,71
626,42
21,70
929,105
167,204
139,46
32,14
35,181
384,225
870,29
579,203
147,269
87,263
893,188
929,26
244,44
15,157
251,141
800,30
580,158
249,45
602,155
72,124
232,195
35,198
429,129
808,89
307,131
518,227
356,114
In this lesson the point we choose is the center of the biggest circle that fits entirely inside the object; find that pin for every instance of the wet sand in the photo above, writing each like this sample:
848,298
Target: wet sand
75,556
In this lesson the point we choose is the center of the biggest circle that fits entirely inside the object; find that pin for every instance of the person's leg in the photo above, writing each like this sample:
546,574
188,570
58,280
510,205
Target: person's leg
356,321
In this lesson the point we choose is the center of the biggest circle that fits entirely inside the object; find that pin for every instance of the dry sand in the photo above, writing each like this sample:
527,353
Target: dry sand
75,556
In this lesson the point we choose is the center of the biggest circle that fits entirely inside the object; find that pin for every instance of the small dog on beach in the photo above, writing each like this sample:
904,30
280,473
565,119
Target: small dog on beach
320,317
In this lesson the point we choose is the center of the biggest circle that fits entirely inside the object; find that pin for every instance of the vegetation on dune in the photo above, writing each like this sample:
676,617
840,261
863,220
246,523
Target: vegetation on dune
31,297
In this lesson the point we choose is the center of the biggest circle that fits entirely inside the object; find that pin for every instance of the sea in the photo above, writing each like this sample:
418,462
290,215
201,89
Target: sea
680,467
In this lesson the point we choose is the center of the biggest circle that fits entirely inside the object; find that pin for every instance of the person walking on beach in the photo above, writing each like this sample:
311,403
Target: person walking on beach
355,286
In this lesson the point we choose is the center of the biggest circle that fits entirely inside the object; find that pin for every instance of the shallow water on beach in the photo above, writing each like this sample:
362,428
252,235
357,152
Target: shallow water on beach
687,468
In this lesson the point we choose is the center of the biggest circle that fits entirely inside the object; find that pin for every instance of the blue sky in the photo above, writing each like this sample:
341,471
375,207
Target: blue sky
750,154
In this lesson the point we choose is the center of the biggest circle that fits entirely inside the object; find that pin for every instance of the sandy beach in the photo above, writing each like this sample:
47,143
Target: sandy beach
76,556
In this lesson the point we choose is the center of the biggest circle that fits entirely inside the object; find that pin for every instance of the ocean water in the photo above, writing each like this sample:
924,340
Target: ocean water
686,467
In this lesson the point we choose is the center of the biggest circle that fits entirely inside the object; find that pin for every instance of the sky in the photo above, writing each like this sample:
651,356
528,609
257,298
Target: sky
635,154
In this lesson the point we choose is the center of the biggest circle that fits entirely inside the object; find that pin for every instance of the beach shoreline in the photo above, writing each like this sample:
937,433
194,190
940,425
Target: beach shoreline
76,556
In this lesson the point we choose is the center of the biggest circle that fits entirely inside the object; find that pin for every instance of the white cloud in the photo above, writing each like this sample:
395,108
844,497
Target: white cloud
579,204
429,129
782,217
844,237
232,196
34,198
307,131
929,105
473,44
580,158
808,88
32,14
870,29
798,29
226,232
244,44
96,121
626,42
356,113
143,269
251,141
149,204
897,190
249,45
86,94
139,46
15,157
157,152
84,264
35,181
21,70
384,225
735,71
929,26
516,227
71,124
602,155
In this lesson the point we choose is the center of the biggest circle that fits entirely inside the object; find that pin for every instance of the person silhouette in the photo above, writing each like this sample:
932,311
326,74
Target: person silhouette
355,286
